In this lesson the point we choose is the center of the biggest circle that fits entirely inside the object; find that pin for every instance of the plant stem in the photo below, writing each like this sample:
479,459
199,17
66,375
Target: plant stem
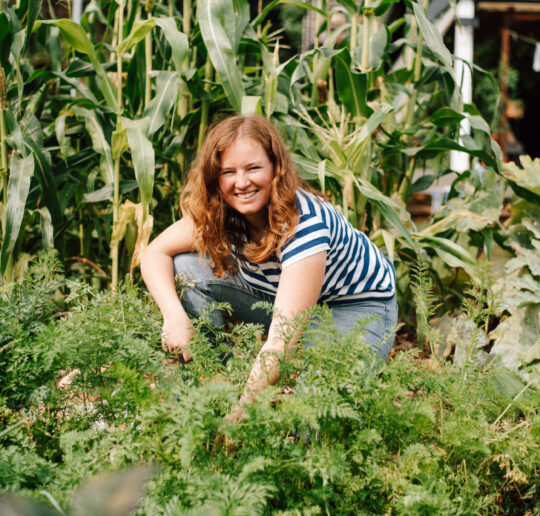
4,162
205,105
186,17
405,183
354,34
3,107
259,11
314,91
510,404
409,113
116,193
148,61
365,43
183,101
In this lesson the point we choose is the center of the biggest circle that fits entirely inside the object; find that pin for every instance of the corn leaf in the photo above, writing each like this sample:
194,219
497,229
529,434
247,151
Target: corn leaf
220,49
177,40
99,142
74,34
351,86
21,171
433,38
160,106
138,32
143,157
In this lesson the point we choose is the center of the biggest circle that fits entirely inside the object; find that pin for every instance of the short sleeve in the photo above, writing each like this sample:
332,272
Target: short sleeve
310,237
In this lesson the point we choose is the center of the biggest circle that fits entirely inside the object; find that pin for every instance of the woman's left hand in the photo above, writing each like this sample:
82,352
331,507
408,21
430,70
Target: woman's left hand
236,415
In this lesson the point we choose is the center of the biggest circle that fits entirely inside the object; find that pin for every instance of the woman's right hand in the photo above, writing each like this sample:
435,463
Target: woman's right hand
176,335
158,274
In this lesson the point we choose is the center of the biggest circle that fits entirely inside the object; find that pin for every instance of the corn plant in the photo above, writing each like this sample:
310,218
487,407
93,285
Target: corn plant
97,142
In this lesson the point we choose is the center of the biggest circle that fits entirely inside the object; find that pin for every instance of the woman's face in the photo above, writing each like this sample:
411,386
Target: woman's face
245,180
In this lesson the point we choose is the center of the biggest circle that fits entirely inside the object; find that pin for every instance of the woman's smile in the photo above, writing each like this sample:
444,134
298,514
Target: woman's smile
245,180
248,195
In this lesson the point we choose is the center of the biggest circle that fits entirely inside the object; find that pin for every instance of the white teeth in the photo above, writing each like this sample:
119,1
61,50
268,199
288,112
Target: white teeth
246,195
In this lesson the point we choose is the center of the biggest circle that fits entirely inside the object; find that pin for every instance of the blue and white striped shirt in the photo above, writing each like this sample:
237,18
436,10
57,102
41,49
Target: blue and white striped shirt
355,268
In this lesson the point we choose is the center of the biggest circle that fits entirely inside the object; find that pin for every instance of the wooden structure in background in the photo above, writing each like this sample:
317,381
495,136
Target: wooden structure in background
513,14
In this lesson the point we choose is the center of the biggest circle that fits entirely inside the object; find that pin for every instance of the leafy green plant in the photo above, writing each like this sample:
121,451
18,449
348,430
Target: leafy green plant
126,98
404,435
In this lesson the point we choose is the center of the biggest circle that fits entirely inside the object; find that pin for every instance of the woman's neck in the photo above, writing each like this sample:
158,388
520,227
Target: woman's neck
256,226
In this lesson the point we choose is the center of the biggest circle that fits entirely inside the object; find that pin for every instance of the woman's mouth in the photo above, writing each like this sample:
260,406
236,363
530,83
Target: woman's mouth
247,195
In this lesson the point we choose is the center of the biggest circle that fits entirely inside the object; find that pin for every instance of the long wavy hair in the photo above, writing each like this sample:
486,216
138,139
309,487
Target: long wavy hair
221,230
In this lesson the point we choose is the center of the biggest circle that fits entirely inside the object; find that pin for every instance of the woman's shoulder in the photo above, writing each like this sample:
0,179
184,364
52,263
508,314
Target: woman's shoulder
309,203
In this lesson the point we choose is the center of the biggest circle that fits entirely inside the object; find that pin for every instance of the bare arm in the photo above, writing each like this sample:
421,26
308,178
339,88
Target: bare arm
299,288
157,272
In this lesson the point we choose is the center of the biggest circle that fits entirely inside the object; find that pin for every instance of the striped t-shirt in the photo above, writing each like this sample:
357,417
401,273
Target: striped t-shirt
355,268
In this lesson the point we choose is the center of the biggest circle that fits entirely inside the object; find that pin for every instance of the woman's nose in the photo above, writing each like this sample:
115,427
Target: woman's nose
242,179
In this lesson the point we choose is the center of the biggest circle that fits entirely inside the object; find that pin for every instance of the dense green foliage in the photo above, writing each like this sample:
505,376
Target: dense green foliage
97,139
405,436
99,122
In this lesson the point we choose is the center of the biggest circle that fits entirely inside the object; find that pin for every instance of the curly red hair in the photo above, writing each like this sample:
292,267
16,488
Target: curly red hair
219,228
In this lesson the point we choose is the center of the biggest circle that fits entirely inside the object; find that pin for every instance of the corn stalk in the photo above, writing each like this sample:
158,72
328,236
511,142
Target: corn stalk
3,134
205,104
3,159
116,187
409,113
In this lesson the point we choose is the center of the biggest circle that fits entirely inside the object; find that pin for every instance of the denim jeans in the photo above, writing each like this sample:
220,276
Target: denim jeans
201,287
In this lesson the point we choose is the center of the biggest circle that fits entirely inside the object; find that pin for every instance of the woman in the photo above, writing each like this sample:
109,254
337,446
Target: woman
264,235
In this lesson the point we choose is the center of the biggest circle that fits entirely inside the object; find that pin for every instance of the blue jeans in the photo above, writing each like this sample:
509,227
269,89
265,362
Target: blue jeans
201,288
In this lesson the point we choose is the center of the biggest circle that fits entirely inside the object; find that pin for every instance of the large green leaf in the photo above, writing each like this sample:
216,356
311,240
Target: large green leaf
527,258
21,171
374,121
517,291
138,33
351,86
220,49
350,5
99,142
47,229
45,176
74,34
34,6
177,40
160,106
446,116
517,343
251,105
26,136
16,51
235,21
447,246
268,8
143,157
392,212
528,176
433,38
443,144
6,37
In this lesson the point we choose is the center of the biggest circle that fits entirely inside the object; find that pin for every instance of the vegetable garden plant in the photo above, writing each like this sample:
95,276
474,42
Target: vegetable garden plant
98,124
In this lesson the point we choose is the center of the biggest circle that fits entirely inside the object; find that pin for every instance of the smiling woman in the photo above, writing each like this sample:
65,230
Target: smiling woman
261,234
245,181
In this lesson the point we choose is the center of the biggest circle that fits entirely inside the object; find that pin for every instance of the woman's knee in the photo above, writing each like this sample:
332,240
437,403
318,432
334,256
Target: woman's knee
189,268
